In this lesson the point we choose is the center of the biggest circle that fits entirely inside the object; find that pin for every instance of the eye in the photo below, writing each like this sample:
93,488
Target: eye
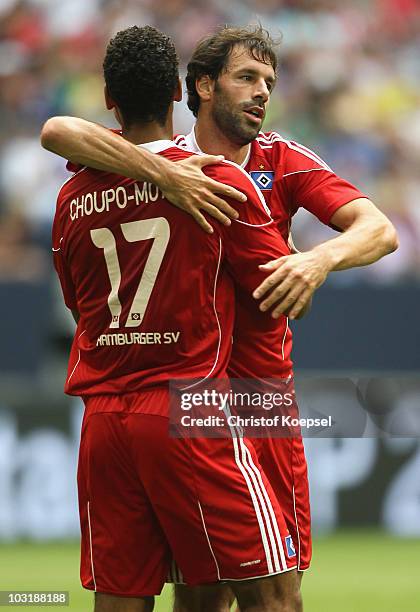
246,77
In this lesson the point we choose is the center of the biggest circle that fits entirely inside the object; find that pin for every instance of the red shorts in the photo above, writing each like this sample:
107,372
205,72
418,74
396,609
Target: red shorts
284,463
146,498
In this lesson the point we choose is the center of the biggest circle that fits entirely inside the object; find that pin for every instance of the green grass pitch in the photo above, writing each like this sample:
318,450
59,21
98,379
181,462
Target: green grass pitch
352,571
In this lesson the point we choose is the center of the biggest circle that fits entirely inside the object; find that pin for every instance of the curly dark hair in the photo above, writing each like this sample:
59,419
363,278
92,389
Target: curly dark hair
141,74
211,55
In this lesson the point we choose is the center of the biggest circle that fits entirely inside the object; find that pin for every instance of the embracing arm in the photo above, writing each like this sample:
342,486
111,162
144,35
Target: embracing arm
366,237
183,183
95,146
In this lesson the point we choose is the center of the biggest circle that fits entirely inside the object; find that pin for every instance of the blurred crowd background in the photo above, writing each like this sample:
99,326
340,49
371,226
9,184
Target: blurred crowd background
349,87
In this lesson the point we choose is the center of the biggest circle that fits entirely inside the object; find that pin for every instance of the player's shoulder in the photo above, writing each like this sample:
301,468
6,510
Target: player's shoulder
290,151
230,173
227,171
175,152
81,176
275,140
87,180
272,141
224,171
268,147
269,139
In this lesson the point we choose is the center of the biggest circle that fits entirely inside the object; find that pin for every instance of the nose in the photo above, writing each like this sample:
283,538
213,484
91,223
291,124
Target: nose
261,90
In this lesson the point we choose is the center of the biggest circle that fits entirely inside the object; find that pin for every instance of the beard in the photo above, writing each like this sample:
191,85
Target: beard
231,119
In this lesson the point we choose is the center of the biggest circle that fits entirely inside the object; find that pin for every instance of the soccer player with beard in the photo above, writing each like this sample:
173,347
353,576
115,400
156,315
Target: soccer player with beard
230,78
119,247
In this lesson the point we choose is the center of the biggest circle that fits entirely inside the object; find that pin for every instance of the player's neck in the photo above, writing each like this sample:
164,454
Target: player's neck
213,141
149,132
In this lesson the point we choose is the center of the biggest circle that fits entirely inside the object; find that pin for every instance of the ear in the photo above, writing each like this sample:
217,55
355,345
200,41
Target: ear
110,104
205,87
178,92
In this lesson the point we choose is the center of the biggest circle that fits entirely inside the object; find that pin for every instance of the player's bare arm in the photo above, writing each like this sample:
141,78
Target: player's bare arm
182,183
367,236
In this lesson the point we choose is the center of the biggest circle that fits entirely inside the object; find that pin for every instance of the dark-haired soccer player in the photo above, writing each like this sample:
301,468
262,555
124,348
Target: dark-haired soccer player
119,249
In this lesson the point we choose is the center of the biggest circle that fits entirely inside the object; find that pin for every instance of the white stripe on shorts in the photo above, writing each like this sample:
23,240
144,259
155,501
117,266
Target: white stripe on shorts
276,542
261,502
245,473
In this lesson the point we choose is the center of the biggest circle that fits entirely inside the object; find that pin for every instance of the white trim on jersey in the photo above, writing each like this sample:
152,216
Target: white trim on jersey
284,338
216,278
297,526
90,546
252,224
303,171
257,190
268,142
59,248
191,144
299,145
186,143
179,139
157,146
208,540
78,360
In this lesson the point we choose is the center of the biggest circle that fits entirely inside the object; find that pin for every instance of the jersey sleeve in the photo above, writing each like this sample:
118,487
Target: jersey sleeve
252,239
73,166
313,185
63,272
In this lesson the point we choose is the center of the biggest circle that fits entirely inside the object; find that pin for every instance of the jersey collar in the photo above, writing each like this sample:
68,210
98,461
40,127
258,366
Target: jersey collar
192,145
157,146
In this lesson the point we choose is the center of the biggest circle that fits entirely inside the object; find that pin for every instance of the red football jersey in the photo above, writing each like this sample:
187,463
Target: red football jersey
154,292
290,176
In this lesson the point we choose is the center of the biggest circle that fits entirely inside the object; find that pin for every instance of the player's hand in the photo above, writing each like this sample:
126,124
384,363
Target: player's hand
292,282
194,192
